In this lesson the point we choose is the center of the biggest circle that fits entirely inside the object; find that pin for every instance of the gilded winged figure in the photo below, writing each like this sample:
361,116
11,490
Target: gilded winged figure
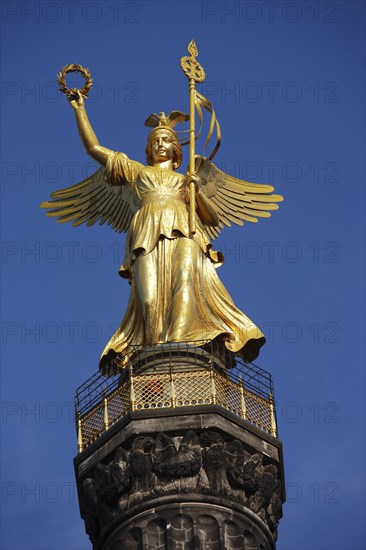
175,294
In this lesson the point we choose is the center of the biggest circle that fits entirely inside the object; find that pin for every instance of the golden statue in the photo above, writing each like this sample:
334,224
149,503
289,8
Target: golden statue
176,295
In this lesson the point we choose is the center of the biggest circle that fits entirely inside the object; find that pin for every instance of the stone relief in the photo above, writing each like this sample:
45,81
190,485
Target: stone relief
194,464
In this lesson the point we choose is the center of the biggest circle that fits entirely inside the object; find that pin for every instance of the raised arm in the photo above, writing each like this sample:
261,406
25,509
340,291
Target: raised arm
86,132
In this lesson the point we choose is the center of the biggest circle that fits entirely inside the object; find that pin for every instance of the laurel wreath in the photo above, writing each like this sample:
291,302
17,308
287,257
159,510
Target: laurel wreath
73,92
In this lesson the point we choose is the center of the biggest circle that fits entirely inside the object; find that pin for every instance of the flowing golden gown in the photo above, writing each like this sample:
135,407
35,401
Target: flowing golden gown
176,295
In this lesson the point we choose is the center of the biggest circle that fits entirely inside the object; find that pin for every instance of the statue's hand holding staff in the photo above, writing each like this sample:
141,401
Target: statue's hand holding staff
194,177
191,178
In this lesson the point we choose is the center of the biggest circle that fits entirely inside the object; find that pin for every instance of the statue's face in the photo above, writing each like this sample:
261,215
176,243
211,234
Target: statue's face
162,146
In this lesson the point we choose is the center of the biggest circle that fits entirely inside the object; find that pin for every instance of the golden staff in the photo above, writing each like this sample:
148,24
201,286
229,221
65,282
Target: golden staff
195,73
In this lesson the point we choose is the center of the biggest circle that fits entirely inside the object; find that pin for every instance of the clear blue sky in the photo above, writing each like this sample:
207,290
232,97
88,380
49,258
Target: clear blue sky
287,80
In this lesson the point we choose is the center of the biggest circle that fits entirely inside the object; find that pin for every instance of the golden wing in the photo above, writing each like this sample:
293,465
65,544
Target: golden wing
235,200
91,200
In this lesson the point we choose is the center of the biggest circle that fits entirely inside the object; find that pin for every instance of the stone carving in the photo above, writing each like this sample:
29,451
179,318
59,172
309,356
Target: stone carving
215,463
194,464
188,532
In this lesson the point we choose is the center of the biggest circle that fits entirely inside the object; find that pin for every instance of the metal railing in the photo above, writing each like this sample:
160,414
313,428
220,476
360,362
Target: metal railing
175,375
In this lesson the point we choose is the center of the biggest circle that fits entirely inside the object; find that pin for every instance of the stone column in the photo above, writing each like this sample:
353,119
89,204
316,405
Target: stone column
181,473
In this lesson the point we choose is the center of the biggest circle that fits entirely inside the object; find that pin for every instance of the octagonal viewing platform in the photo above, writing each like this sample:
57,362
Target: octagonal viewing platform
173,375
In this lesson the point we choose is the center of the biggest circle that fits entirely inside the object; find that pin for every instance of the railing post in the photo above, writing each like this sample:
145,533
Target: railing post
242,400
173,399
132,391
273,417
106,418
213,388
80,433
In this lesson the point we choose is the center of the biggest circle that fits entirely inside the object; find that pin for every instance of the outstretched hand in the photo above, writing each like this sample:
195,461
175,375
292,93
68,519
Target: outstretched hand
76,100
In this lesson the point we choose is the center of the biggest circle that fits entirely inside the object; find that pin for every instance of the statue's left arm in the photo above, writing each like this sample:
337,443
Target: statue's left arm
206,211
205,208
234,200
